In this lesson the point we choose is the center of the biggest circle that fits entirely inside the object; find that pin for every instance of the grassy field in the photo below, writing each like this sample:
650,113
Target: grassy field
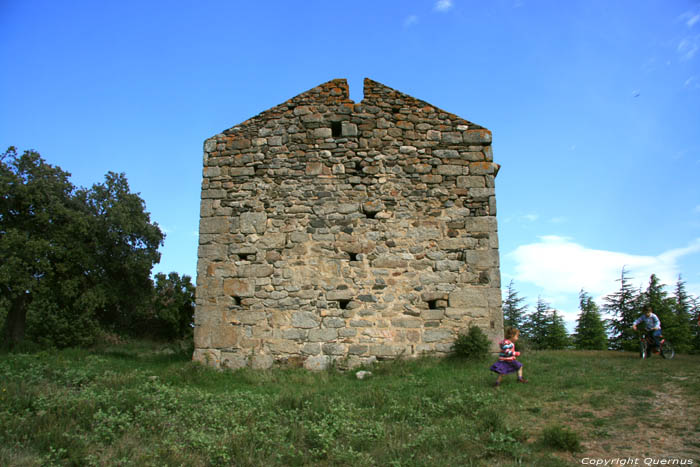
141,404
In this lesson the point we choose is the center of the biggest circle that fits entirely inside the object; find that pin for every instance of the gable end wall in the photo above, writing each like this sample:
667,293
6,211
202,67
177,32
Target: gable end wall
332,231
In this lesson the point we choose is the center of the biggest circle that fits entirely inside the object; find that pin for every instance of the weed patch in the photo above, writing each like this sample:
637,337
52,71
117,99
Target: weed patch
133,404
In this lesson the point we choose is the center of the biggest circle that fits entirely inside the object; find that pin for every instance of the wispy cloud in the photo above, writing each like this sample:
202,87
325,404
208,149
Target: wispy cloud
691,18
688,47
559,266
410,21
443,5
692,83
530,217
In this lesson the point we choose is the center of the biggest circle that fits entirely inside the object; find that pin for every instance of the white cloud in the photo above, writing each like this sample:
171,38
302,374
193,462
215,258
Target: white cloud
690,18
530,217
688,47
693,82
560,266
410,21
443,5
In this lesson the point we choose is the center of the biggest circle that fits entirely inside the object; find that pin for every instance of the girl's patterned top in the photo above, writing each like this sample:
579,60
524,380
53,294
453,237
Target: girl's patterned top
508,352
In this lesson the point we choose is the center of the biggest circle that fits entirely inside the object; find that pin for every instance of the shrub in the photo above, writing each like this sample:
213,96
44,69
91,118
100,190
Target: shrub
561,439
473,345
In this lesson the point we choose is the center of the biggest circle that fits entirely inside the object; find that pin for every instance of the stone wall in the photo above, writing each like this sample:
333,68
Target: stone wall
339,232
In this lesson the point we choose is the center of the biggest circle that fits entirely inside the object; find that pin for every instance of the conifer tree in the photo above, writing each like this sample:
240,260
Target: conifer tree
624,306
513,310
662,306
556,337
695,313
590,329
535,325
683,333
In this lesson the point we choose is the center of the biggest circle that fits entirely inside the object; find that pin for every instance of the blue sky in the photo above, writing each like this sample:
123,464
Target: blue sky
594,107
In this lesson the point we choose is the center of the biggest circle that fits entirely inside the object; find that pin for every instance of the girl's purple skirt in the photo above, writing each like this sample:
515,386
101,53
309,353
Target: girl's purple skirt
503,368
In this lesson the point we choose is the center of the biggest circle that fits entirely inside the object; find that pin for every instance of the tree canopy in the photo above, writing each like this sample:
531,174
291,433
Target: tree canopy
73,260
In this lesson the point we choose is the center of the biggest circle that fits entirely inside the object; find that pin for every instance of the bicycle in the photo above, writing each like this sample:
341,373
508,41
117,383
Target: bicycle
646,342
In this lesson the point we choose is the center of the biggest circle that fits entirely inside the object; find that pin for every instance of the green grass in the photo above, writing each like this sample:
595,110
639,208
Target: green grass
140,404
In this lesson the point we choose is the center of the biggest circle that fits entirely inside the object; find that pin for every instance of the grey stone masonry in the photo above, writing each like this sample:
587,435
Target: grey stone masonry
341,232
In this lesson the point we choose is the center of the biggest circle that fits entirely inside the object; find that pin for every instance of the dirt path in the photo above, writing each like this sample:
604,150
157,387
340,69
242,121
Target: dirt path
668,430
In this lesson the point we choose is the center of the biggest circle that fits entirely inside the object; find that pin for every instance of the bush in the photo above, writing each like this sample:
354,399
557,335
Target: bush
561,439
473,345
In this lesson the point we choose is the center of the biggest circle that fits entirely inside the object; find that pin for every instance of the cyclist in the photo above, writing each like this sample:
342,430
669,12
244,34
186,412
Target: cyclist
652,324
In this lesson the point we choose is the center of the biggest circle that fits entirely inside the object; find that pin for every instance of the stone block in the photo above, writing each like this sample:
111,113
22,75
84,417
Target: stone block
283,346
322,335
477,137
468,297
348,129
311,349
271,241
241,171
249,317
407,322
213,252
333,348
446,153
450,169
209,357
317,362
305,320
341,294
233,360
214,225
322,133
471,181
389,262
333,322
437,335
432,315
261,361
239,287
385,350
482,258
358,349
452,137
253,222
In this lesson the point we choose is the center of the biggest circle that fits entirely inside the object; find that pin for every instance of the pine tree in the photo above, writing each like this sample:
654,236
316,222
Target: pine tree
662,306
513,311
535,325
695,313
590,329
556,337
624,306
683,334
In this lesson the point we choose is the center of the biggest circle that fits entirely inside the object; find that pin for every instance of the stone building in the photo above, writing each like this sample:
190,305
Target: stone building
334,231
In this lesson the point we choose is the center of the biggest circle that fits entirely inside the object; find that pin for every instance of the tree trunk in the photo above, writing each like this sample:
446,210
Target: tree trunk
16,321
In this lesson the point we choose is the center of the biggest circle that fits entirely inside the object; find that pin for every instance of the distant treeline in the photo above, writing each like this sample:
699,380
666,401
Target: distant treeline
75,263
544,328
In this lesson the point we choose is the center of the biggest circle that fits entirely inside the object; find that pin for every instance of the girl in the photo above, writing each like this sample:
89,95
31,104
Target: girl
506,359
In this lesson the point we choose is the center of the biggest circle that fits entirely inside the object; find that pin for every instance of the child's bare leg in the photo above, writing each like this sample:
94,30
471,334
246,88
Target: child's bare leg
520,376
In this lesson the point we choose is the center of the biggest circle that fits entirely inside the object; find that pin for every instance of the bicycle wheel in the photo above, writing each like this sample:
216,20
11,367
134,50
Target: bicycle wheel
667,350
643,349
